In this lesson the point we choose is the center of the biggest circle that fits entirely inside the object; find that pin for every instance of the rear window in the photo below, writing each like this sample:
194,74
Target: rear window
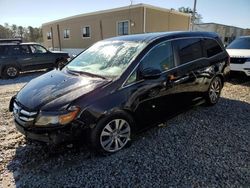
14,50
240,43
188,49
211,47
3,50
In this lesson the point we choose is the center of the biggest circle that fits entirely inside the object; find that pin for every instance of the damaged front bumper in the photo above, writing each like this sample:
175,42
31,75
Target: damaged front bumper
55,135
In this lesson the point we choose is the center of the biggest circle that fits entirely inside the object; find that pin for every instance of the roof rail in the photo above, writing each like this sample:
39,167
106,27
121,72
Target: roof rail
18,41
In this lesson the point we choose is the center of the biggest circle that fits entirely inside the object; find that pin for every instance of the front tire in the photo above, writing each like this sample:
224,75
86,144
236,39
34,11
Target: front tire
11,71
112,133
61,63
214,91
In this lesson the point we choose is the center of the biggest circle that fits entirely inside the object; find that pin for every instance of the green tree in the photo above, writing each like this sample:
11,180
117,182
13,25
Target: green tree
14,30
28,34
198,17
20,31
5,31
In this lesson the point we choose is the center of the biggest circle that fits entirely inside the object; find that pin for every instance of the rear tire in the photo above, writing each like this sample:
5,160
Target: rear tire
214,91
60,63
112,133
11,71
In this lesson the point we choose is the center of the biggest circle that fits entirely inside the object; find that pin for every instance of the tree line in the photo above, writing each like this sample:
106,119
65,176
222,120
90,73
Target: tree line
197,17
27,34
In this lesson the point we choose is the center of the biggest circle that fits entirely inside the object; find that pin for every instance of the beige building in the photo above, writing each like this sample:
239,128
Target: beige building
247,31
75,33
227,32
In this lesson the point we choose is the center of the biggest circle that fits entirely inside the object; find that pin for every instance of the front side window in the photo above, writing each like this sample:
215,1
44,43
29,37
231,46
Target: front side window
132,78
66,33
240,43
188,49
24,49
37,49
86,32
106,58
160,57
49,35
211,47
123,28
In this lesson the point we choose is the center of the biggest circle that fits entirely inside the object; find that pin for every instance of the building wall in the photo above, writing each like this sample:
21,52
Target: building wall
226,33
247,32
158,20
104,25
106,21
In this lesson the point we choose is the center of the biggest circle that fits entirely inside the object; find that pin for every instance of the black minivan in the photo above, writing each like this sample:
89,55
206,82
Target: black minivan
121,85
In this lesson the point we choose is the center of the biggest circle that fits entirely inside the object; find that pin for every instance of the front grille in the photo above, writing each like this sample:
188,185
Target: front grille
238,60
22,116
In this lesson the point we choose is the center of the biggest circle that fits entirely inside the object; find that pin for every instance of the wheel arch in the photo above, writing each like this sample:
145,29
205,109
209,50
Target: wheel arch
19,68
92,117
222,79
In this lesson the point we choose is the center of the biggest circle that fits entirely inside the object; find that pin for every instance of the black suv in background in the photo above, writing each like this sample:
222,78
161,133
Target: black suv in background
17,57
121,85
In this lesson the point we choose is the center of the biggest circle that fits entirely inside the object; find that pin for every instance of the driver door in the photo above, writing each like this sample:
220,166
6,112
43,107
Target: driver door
154,98
41,57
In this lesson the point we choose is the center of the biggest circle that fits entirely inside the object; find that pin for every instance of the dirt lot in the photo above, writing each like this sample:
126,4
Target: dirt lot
203,147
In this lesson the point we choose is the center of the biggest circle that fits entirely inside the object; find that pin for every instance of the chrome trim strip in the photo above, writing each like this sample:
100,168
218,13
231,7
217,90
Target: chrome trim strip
28,113
26,119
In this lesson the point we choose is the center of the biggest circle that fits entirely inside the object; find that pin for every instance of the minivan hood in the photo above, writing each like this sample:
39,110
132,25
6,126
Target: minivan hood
245,53
57,88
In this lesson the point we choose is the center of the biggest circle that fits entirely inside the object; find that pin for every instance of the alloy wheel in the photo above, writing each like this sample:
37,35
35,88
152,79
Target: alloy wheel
214,91
11,71
61,64
115,135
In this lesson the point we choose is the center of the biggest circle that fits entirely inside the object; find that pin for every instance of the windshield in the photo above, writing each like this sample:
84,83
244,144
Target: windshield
106,58
240,43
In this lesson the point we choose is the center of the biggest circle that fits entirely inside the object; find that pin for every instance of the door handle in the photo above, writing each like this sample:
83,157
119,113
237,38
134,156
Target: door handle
170,81
181,80
173,80
172,77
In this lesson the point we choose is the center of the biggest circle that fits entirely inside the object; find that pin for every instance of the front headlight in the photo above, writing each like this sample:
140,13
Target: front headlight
62,119
43,120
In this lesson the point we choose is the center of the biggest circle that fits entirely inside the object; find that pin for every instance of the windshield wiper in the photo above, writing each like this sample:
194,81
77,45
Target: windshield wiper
92,75
87,73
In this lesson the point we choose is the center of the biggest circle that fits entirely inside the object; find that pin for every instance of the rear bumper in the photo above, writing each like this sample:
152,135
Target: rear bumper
52,136
241,67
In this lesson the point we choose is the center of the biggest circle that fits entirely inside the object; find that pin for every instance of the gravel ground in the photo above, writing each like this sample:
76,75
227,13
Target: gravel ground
203,147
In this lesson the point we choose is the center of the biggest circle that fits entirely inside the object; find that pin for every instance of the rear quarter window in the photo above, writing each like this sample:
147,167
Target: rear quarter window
188,49
211,47
3,50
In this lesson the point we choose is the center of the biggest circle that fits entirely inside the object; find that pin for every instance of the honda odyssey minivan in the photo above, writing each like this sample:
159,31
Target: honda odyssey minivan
121,85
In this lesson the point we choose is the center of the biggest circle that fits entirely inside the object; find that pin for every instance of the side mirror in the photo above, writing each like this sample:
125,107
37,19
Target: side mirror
150,73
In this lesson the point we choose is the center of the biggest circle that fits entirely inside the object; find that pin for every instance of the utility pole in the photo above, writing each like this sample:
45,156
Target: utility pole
193,15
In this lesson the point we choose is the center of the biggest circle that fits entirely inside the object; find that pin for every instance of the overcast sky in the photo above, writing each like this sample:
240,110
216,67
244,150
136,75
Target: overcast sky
36,12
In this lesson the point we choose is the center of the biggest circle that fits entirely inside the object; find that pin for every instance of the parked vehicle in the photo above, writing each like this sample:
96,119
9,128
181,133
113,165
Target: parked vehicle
17,57
239,52
122,85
